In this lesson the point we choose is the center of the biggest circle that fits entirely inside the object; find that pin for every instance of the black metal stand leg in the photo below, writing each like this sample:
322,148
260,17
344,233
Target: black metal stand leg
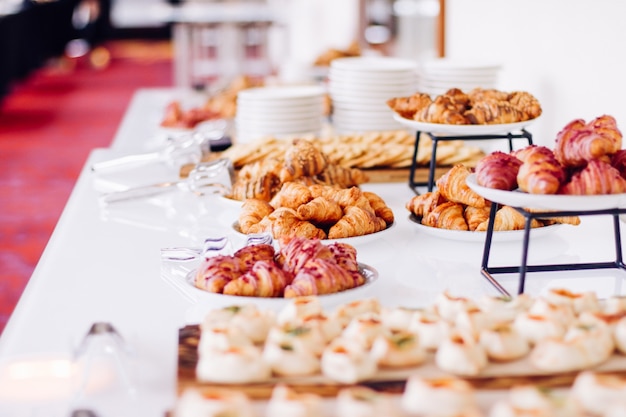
433,165
412,183
488,239
524,261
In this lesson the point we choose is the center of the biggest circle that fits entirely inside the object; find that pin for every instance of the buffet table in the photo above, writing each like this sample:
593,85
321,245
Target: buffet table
103,264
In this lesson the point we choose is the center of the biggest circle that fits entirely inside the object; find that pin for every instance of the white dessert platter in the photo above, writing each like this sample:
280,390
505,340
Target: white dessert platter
463,130
468,236
185,285
559,202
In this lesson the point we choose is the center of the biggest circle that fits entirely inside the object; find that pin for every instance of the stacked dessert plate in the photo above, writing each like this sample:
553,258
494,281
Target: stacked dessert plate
359,88
437,76
279,111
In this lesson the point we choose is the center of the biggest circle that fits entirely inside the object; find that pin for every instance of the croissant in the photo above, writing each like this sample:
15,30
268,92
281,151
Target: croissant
262,187
540,172
507,218
356,222
319,276
345,256
498,170
420,205
292,195
215,272
285,222
598,177
475,216
381,209
251,254
448,215
407,106
352,196
252,212
526,103
491,111
320,210
265,279
445,109
295,252
343,177
618,161
453,187
302,159
578,142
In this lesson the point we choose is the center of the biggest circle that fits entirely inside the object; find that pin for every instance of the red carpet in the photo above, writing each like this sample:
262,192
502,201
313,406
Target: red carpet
48,125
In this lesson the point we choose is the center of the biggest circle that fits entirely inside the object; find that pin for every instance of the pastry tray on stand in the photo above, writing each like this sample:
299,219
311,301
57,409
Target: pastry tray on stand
413,184
489,272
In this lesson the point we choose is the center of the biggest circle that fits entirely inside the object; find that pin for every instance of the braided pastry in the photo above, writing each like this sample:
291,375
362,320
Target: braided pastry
540,172
579,142
498,170
598,177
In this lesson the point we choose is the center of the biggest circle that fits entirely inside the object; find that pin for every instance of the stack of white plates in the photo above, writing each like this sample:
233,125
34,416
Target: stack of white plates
279,111
437,76
359,88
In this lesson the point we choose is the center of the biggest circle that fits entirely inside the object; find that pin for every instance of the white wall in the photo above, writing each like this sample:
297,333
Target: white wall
570,54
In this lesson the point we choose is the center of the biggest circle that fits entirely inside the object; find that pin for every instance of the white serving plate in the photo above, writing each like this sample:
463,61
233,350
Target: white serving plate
467,236
457,66
558,202
185,285
463,130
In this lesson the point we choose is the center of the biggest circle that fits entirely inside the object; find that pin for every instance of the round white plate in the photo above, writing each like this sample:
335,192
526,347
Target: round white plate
558,202
456,66
373,64
370,274
467,236
355,240
467,130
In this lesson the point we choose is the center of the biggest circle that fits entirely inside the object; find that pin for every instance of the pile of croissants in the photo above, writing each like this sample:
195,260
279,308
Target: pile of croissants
316,212
300,267
453,205
587,159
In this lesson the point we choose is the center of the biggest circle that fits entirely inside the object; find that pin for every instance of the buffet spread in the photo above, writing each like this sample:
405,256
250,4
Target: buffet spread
295,317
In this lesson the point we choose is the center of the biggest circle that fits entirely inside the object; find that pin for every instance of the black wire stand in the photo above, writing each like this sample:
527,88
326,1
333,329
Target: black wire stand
489,272
522,134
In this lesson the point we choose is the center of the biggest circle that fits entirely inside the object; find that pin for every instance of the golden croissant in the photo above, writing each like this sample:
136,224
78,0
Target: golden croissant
285,222
474,216
508,218
540,172
252,212
292,194
356,222
422,204
381,209
453,187
320,210
448,215
302,159
265,279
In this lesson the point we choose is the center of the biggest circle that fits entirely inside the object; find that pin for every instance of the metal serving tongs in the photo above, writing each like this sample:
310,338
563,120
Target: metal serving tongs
181,149
214,177
211,247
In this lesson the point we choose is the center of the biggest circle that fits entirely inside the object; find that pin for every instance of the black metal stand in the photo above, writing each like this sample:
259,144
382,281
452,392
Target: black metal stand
488,272
523,134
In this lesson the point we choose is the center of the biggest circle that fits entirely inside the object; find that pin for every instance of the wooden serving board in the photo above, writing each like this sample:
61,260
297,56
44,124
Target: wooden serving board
496,376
